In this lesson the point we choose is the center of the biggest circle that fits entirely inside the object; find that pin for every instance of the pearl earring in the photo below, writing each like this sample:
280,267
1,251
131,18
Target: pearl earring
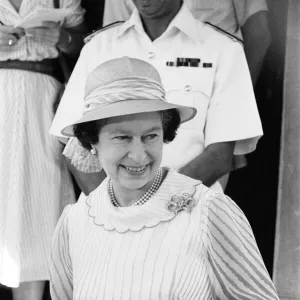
93,151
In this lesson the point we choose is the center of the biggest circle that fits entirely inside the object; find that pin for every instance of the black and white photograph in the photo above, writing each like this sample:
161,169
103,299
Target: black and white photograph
149,149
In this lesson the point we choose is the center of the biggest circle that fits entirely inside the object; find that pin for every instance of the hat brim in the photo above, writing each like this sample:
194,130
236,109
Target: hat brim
129,107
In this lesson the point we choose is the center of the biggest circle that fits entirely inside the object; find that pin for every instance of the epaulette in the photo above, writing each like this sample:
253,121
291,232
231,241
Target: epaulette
89,36
231,36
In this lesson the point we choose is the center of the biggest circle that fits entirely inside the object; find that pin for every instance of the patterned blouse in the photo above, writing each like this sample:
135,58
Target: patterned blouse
150,252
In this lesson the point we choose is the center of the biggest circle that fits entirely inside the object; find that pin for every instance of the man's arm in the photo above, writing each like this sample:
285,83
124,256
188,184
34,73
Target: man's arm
210,165
87,182
257,39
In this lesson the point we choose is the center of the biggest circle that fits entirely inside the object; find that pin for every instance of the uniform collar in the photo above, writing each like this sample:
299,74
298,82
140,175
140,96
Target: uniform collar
184,21
133,21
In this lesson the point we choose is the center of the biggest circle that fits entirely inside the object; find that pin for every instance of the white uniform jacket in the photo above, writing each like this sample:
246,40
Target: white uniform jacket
219,86
230,15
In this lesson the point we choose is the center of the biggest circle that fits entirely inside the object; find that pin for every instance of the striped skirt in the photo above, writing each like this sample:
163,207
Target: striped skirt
34,182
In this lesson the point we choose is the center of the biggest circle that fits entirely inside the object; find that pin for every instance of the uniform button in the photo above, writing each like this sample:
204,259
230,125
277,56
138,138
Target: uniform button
187,88
151,55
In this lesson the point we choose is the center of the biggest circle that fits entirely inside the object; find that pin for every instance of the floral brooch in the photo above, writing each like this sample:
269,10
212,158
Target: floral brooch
184,202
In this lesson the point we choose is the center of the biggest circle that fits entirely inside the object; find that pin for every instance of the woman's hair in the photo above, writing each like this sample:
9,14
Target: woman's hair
88,133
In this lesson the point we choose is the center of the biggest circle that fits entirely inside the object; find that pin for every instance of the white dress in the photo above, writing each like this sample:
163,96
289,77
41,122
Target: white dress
148,253
34,183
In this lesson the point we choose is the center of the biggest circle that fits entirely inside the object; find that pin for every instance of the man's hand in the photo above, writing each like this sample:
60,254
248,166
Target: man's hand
68,40
9,36
48,34
211,164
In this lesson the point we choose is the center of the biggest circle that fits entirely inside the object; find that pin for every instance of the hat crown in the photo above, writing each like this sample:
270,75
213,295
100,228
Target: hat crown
124,86
119,69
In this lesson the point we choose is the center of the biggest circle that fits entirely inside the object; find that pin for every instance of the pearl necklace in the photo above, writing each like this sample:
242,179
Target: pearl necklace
154,187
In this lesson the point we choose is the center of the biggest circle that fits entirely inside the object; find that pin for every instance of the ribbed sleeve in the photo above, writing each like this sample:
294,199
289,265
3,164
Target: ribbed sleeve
61,273
233,255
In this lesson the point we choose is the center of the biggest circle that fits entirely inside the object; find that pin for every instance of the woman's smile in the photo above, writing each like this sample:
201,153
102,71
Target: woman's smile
135,170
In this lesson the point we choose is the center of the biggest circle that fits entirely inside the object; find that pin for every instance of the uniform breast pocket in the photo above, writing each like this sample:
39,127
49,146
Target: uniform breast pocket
191,87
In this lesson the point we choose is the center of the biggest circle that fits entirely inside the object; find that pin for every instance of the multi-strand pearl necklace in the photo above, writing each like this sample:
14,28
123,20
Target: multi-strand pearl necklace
154,187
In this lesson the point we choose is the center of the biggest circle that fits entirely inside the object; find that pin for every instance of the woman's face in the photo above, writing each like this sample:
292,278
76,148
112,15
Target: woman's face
130,149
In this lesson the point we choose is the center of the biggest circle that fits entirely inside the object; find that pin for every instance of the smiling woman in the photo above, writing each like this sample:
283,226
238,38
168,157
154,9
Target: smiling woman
146,232
125,128
130,148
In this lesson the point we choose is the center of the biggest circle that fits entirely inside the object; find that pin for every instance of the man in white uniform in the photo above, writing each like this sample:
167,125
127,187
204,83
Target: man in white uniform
230,15
199,66
245,19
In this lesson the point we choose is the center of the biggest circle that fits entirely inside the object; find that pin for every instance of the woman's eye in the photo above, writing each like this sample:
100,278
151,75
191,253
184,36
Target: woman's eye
121,137
151,137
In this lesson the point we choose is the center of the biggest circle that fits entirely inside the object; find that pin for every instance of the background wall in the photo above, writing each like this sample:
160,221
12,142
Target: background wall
287,247
255,187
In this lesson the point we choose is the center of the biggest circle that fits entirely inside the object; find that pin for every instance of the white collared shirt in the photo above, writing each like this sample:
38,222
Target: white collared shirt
222,94
230,15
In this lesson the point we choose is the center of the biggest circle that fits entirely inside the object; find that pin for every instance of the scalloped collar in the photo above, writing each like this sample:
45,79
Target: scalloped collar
135,218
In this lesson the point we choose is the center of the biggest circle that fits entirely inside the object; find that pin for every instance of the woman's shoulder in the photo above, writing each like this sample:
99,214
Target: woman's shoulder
207,207
173,177
217,208
184,188
201,193
211,197
179,185
77,211
207,200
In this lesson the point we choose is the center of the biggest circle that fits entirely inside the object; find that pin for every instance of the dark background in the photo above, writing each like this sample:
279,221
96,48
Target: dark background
254,188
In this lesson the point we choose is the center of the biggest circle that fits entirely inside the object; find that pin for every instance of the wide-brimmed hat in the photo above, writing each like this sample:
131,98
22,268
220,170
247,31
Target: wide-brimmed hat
124,86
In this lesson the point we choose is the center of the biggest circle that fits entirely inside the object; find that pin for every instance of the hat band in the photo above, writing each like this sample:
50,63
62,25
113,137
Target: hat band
133,88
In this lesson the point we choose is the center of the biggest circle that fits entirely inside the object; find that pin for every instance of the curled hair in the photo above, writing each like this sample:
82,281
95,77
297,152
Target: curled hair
88,133
170,122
